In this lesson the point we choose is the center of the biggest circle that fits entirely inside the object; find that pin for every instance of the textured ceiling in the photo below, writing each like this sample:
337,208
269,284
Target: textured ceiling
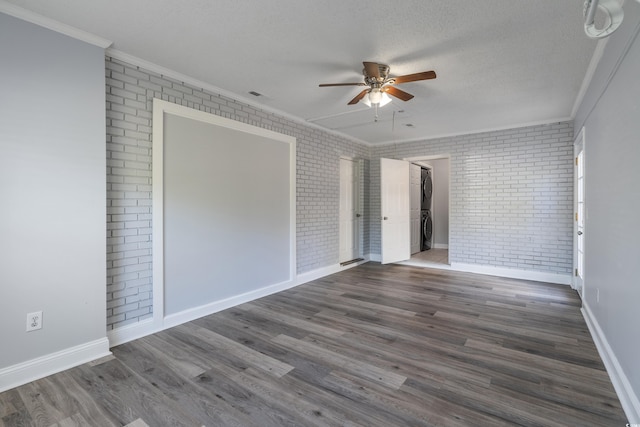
500,63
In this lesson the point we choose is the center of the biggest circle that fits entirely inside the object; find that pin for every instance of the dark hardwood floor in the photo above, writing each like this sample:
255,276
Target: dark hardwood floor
371,346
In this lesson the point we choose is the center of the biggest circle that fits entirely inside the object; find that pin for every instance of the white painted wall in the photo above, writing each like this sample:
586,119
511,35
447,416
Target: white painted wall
610,113
52,183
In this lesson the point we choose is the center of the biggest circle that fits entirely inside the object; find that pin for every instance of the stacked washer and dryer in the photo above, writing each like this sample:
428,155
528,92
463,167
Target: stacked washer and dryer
426,221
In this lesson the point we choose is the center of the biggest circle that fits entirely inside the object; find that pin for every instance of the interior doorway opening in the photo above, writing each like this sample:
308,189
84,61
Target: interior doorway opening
430,211
350,227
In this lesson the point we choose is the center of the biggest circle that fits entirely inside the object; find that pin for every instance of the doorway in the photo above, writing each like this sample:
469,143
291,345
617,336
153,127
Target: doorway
425,221
434,224
350,215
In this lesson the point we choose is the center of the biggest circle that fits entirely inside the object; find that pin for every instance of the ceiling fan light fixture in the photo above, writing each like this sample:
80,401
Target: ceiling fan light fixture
376,96
366,100
385,99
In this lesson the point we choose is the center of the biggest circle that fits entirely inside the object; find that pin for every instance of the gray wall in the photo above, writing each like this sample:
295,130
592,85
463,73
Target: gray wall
511,196
610,114
441,180
52,183
130,91
227,199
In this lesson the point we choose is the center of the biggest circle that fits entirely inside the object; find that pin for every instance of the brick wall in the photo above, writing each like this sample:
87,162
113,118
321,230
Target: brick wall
511,191
511,196
130,91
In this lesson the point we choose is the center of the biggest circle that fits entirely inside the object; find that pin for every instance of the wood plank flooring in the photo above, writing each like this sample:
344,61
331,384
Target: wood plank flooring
371,346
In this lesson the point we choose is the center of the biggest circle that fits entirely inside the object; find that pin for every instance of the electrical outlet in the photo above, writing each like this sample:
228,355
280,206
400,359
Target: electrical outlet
34,321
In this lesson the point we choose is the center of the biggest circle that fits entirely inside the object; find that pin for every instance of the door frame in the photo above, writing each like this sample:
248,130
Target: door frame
357,203
578,276
426,159
161,320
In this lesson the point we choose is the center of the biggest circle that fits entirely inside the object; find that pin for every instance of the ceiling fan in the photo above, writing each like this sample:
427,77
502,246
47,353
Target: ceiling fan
376,76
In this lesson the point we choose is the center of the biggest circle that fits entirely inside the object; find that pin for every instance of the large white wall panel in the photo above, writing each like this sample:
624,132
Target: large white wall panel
228,221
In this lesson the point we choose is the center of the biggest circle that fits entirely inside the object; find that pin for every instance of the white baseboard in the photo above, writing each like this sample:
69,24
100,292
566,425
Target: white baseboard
440,246
375,257
34,369
130,332
538,276
147,327
216,306
628,399
326,271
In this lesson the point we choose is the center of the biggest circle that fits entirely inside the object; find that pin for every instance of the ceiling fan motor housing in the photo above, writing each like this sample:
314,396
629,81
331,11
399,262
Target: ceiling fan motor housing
383,72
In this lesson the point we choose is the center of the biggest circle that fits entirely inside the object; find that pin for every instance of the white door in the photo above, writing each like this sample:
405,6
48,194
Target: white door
416,205
394,200
579,209
349,215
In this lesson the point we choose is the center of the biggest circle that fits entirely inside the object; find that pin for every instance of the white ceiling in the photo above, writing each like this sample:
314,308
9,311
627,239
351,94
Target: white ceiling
500,63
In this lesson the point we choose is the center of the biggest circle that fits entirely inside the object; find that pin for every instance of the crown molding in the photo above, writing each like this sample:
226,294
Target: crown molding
150,66
478,131
591,70
53,25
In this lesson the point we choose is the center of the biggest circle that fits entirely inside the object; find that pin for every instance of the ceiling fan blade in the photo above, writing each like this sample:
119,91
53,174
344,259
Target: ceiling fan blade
341,84
397,93
425,75
358,97
371,69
